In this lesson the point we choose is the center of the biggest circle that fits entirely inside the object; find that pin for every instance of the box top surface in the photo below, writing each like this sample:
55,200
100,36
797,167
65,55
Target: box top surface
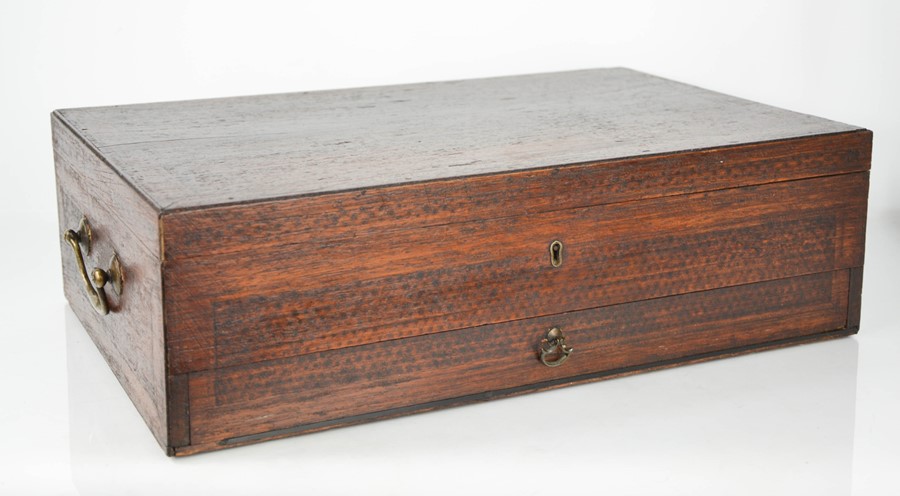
201,153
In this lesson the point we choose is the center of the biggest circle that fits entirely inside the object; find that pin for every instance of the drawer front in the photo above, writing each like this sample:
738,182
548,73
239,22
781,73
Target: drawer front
318,296
282,397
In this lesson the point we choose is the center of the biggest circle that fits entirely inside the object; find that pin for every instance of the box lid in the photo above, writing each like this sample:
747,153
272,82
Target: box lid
192,154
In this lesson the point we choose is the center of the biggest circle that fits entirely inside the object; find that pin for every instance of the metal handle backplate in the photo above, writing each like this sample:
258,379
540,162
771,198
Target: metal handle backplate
95,283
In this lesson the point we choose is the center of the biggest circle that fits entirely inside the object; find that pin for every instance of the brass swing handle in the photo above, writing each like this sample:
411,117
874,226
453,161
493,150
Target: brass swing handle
555,344
98,277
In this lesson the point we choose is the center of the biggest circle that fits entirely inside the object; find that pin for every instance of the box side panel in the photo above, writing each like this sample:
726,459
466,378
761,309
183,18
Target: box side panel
130,337
280,301
277,398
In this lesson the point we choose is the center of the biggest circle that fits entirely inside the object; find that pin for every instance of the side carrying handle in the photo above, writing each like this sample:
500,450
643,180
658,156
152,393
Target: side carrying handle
115,275
555,344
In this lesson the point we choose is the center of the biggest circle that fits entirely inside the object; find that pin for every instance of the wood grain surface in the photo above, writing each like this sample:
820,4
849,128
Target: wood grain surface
250,401
233,150
260,226
130,337
268,303
302,261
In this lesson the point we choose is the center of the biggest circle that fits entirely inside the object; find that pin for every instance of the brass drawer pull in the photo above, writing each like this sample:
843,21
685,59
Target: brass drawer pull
555,344
115,274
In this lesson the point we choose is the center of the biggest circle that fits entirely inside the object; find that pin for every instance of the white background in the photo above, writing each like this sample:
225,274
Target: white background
818,419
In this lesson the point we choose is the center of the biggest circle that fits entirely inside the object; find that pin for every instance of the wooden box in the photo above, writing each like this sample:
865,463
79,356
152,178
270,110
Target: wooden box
290,263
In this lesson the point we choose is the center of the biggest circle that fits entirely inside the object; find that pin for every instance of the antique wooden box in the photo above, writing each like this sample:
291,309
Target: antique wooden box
265,266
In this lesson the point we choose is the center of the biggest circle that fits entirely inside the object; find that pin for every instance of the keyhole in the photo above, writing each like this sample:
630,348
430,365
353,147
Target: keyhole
556,253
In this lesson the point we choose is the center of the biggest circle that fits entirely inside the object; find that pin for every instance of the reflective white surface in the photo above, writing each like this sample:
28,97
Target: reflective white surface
815,419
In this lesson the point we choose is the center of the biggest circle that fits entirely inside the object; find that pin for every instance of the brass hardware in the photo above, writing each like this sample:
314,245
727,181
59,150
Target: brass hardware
115,275
555,344
556,253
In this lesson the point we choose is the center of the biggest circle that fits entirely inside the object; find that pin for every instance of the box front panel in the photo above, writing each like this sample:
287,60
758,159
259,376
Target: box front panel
330,294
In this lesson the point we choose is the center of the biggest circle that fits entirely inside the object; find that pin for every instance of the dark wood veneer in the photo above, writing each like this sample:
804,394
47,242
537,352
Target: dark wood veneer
348,214
303,261
289,300
311,389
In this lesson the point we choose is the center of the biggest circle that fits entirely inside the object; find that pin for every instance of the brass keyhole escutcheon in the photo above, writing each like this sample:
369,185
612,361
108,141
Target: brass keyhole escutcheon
554,345
556,253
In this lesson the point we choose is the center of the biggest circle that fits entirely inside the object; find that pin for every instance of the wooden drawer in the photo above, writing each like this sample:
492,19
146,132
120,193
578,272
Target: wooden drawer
280,397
